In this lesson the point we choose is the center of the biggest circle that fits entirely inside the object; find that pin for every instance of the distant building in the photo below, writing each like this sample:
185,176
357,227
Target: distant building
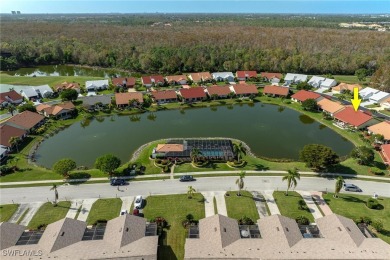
10,97
128,82
348,117
26,120
245,75
192,94
95,85
303,95
149,81
223,76
292,78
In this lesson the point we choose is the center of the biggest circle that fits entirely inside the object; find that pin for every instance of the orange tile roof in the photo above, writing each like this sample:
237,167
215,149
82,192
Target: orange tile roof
41,107
386,151
26,119
270,75
166,94
246,74
176,78
382,128
330,106
344,86
164,148
124,98
130,81
7,131
244,89
196,92
302,95
352,117
200,75
276,90
218,90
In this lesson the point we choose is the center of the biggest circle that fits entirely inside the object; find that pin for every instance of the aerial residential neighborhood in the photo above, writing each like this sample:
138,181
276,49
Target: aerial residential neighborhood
161,131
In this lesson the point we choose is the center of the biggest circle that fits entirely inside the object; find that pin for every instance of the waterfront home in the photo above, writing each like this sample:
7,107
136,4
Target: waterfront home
96,85
382,128
246,74
124,237
276,91
149,81
330,107
366,93
176,80
200,77
293,78
128,82
385,152
10,97
271,77
59,111
192,94
95,102
65,85
244,90
378,97
210,149
218,91
279,237
44,91
348,117
29,93
128,99
9,131
342,87
223,76
26,120
303,95
165,96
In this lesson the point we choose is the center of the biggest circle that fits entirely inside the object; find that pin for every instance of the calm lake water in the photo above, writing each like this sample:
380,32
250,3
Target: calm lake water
65,70
269,130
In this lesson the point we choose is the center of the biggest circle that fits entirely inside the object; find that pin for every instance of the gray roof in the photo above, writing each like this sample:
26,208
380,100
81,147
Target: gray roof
222,75
92,100
9,234
282,239
29,92
96,83
43,89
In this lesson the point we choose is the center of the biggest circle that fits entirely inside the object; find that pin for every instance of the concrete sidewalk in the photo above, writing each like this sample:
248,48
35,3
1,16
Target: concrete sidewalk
85,209
273,208
33,208
209,203
306,195
260,204
317,196
221,203
126,203
74,208
18,213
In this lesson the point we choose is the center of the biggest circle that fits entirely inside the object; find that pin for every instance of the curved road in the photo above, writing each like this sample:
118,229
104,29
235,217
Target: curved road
43,193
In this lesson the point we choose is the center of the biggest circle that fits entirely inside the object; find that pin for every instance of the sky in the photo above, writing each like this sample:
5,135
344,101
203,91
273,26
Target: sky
198,6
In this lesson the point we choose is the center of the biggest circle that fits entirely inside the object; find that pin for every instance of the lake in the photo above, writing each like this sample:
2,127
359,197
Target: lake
270,131
66,70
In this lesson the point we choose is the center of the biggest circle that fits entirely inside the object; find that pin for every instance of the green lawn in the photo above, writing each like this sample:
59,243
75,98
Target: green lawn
237,207
6,211
288,205
386,112
353,206
48,214
36,81
104,209
174,209
350,79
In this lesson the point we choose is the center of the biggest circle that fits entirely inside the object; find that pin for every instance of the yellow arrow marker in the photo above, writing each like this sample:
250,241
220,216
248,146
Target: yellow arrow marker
356,101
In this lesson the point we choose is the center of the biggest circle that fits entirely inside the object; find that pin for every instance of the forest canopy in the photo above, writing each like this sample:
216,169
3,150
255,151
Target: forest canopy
187,46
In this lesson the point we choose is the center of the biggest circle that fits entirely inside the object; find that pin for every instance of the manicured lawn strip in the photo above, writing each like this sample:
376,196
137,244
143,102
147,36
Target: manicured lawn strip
288,205
48,213
104,209
350,79
353,206
22,216
174,208
6,211
239,206
36,81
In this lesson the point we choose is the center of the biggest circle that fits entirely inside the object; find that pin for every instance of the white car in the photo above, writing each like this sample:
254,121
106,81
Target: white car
138,202
351,187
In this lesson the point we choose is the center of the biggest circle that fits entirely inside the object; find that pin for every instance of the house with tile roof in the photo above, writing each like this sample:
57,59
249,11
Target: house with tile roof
123,99
276,91
124,237
124,82
26,120
271,77
303,95
293,78
244,90
223,76
382,128
385,104
348,117
149,81
217,91
385,152
176,79
96,85
65,85
164,96
246,74
342,87
330,107
10,97
279,237
59,111
9,131
200,77
192,94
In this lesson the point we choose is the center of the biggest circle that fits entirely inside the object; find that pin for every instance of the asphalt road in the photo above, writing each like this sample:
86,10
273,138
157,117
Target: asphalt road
36,194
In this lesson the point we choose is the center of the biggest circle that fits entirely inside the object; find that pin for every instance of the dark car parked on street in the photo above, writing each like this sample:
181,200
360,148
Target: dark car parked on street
187,178
117,182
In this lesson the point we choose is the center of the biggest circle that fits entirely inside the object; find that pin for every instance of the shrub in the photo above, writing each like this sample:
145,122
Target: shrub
166,168
372,203
376,171
160,221
365,219
245,221
158,161
302,220
378,225
301,204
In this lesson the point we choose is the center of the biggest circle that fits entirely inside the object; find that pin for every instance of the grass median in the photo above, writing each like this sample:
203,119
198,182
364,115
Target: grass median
48,213
239,206
288,205
104,210
6,211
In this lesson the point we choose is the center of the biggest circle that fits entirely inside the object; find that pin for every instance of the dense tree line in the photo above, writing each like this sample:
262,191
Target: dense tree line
186,47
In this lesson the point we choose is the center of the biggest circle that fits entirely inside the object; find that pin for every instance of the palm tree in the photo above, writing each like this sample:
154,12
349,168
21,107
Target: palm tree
190,192
55,194
195,154
14,142
240,182
291,177
338,186
11,109
239,149
214,96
